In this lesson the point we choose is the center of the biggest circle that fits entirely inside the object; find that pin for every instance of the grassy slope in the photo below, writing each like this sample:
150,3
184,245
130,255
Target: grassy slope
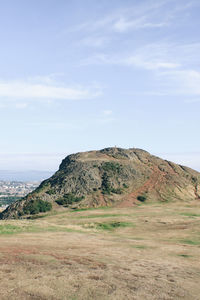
146,252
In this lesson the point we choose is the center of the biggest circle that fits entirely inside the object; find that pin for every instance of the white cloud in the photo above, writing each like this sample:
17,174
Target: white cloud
123,24
173,66
46,79
149,57
44,89
151,63
8,103
107,112
184,83
141,15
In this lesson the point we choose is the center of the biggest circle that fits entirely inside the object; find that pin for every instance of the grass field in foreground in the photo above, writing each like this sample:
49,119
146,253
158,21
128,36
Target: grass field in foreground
145,252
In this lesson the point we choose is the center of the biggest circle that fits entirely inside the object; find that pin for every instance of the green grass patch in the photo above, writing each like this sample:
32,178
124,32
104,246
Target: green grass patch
58,229
113,225
101,216
10,229
188,214
13,229
91,208
191,242
185,255
139,246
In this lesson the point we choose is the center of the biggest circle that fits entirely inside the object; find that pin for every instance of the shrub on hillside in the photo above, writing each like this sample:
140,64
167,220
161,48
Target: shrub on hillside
68,199
50,192
118,191
141,198
111,166
106,187
125,186
36,206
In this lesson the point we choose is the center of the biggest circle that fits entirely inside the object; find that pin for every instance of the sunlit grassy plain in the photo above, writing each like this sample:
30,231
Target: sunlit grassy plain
151,251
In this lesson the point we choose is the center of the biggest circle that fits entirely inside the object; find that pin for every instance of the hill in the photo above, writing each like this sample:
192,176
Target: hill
109,177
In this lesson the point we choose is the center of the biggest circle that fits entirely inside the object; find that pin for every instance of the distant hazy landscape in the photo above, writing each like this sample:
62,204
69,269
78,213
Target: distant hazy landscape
11,191
17,184
25,176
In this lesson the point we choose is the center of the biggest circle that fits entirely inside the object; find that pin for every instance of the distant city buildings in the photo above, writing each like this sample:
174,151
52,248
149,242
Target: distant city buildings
11,191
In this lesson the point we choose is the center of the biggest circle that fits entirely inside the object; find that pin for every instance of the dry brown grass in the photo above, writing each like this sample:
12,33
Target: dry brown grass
154,254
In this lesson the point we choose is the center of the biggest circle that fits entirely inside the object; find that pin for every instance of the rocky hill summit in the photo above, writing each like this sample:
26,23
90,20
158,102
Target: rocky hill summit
109,177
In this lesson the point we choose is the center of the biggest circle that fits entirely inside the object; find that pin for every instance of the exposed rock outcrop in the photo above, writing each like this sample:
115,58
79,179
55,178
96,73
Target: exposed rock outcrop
111,177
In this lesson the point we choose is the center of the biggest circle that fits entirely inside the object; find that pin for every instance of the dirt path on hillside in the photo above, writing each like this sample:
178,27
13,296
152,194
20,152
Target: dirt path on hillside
154,182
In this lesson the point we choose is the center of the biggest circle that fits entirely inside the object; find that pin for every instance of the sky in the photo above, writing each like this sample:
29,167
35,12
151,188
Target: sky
82,75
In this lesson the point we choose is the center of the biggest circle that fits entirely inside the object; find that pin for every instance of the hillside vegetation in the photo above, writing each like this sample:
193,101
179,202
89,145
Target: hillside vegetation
110,177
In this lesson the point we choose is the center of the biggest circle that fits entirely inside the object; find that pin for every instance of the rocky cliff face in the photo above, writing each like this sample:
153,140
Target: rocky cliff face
111,177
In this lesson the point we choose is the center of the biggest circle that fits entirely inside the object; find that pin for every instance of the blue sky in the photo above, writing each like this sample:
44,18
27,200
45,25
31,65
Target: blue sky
82,75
